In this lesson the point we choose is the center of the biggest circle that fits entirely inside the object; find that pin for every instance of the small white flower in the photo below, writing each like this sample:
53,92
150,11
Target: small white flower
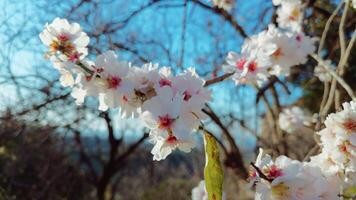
290,179
303,44
247,68
338,138
191,87
65,38
224,4
162,115
293,119
290,15
322,73
113,76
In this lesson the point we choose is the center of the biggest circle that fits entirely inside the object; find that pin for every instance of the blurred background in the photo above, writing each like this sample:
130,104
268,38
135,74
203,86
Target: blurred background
50,148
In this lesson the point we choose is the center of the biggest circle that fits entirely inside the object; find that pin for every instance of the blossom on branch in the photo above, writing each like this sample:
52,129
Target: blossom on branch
170,106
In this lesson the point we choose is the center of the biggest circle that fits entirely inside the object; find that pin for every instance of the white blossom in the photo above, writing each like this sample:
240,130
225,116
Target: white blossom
285,178
339,138
290,15
65,38
293,119
322,73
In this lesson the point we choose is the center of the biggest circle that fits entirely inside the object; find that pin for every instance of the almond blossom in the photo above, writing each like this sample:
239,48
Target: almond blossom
285,178
293,119
113,80
191,87
322,74
162,115
338,139
65,38
247,67
290,15
271,52
170,106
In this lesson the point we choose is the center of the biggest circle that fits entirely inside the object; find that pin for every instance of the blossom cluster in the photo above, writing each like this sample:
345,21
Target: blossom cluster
285,178
274,51
294,120
326,176
170,106
338,141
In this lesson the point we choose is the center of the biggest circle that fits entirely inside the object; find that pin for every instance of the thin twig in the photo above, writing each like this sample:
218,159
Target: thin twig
337,77
217,79
260,173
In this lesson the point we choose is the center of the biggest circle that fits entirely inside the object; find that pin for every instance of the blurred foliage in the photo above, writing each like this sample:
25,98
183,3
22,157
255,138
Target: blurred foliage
34,166
173,189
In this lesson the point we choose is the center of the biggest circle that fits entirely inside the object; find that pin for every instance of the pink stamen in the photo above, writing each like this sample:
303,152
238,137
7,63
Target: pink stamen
350,125
274,172
88,78
253,174
241,63
298,38
252,66
165,82
171,139
63,37
99,69
74,57
186,95
113,82
165,122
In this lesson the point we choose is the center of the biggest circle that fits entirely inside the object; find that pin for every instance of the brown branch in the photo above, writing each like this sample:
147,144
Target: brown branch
217,79
228,17
85,158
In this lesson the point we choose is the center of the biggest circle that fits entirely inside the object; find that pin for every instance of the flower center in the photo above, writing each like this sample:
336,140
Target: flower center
165,122
165,82
298,38
171,139
350,125
278,53
274,172
241,63
63,37
63,47
344,147
252,66
113,82
74,57
186,95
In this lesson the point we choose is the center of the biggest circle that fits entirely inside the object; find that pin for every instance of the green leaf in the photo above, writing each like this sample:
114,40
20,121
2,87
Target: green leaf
213,171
